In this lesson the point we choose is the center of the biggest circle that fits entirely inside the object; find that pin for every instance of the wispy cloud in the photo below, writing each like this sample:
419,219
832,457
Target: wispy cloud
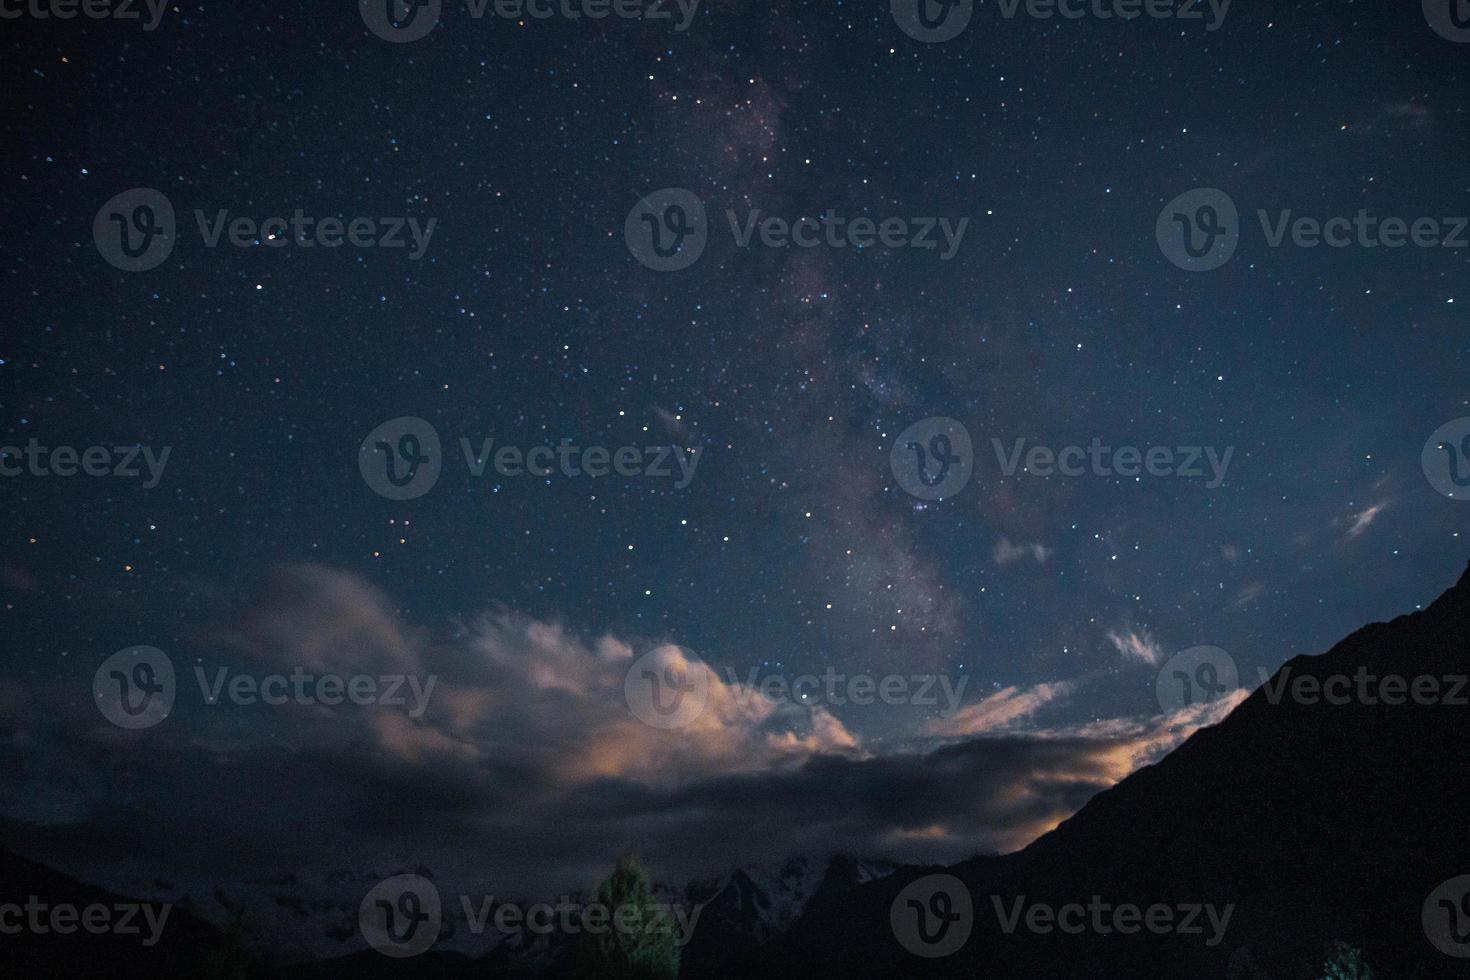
1137,646
1000,711
1007,553
1363,518
1248,593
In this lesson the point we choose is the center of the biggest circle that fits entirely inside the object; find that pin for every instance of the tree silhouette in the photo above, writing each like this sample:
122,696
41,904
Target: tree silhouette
639,941
1344,962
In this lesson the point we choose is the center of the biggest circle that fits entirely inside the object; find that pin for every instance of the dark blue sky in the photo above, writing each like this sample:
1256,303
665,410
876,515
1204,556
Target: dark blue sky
793,370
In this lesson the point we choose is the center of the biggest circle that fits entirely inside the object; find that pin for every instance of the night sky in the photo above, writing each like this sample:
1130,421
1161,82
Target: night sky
789,372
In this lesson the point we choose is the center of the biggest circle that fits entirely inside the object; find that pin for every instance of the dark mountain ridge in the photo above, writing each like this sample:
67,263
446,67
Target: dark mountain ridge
1319,823
1311,823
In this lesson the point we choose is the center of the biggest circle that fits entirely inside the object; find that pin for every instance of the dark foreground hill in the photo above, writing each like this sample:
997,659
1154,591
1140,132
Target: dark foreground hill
1320,823
130,945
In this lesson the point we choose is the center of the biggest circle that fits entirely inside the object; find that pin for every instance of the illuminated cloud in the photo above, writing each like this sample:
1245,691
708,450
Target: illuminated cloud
1137,646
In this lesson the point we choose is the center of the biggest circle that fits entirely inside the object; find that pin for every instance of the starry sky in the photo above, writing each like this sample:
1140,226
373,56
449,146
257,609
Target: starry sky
790,371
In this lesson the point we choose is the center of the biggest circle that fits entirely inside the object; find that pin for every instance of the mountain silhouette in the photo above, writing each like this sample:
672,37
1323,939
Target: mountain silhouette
1319,826
185,946
1320,823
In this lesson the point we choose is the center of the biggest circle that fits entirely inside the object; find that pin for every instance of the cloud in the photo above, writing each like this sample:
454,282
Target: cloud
515,688
1248,593
323,620
999,711
1407,115
1137,646
1138,742
528,774
1363,518
1007,553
